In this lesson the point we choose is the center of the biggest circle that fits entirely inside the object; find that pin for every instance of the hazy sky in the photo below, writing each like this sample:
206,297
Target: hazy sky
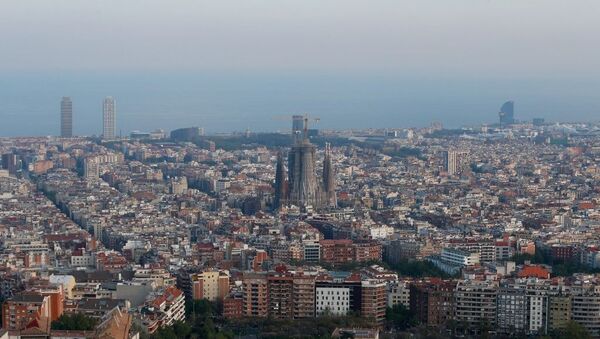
234,64
496,37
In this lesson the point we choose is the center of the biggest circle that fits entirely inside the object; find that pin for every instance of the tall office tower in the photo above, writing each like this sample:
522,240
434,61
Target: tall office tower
281,183
329,178
297,128
109,118
66,117
455,162
10,162
304,188
507,113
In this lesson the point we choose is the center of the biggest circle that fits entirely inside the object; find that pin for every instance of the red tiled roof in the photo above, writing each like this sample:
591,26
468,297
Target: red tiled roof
531,271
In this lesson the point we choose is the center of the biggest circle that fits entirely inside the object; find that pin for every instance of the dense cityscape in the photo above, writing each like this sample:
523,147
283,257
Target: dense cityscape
483,231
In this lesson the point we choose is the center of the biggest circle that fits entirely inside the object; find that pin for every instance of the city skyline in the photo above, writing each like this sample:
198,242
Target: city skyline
172,109
408,63
299,169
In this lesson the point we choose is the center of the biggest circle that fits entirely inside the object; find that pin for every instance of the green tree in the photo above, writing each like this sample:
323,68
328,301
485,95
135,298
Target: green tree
74,322
182,329
2,300
400,317
572,330
418,269
164,333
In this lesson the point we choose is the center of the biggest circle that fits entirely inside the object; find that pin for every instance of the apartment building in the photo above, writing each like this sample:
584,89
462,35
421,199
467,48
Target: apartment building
210,284
585,309
332,301
255,294
398,293
374,299
512,310
559,311
433,301
476,303
24,309
163,308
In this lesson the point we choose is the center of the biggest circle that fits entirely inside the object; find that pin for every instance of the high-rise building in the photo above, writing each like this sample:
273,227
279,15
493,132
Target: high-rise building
281,296
476,304
559,311
10,162
432,302
304,296
374,299
455,162
255,295
210,284
512,310
585,309
66,117
109,113
507,113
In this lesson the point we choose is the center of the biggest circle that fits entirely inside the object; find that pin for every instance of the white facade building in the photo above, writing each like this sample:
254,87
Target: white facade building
332,300
459,257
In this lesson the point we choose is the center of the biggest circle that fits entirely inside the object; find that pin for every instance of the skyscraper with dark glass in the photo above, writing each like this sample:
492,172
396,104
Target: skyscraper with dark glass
66,117
507,113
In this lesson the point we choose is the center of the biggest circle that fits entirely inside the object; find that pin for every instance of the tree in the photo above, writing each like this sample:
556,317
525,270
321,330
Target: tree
2,300
418,269
74,322
400,317
182,329
484,328
164,333
572,330
208,329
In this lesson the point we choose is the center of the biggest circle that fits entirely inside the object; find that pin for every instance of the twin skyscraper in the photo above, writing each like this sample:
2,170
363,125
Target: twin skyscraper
109,118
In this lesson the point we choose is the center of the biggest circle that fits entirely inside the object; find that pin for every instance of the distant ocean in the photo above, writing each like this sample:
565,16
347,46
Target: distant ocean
228,101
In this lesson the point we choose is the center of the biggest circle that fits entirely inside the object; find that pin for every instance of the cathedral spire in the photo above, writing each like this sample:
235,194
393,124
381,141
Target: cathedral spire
281,183
329,178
